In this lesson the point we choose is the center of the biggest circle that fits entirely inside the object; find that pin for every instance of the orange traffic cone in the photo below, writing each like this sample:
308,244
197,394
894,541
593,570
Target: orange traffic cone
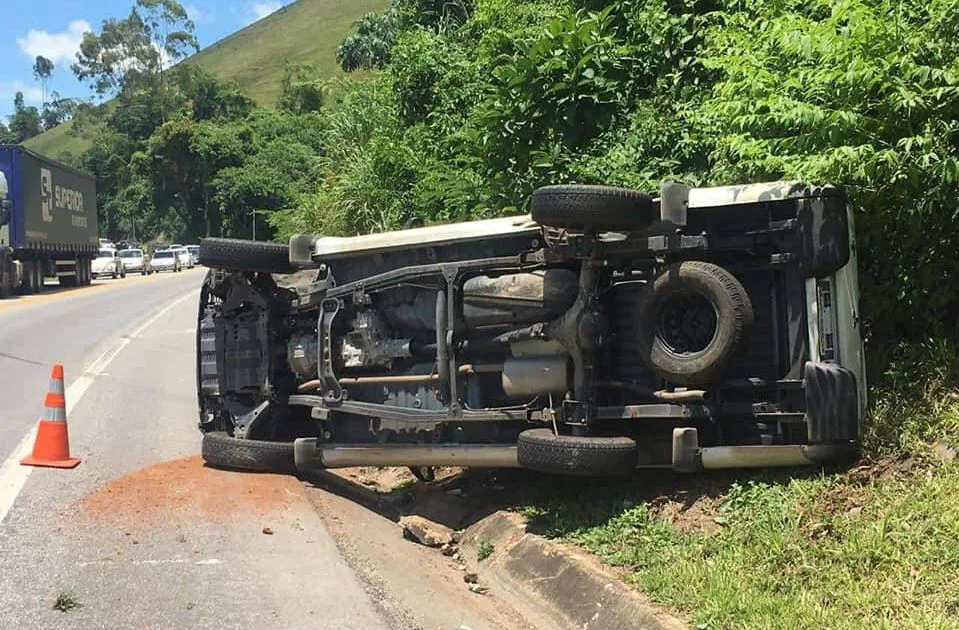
52,446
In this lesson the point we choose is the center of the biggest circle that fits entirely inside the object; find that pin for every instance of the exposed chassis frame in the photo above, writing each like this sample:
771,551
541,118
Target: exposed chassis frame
591,250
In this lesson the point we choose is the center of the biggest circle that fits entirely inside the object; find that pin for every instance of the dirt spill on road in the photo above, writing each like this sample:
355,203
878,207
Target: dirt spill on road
184,489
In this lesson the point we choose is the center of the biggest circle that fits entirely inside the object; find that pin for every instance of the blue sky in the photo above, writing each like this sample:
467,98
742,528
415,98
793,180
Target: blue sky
54,28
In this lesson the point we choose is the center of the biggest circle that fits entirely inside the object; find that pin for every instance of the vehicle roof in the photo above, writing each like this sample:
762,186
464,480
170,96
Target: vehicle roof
755,193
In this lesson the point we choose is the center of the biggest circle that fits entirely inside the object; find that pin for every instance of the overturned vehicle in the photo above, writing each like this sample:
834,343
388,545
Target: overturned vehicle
606,331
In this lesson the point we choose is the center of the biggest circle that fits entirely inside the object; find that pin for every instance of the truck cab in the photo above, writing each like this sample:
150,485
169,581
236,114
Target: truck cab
11,271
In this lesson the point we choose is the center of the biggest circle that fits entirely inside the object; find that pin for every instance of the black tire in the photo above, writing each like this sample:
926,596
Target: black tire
678,336
239,255
222,451
592,208
588,456
26,283
39,281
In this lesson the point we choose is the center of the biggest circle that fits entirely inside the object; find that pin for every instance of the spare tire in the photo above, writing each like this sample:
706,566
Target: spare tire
222,451
592,208
241,255
589,456
691,320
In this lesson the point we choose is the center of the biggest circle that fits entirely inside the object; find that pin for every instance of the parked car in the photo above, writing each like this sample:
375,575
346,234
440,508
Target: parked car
107,263
709,328
165,260
195,252
186,258
134,260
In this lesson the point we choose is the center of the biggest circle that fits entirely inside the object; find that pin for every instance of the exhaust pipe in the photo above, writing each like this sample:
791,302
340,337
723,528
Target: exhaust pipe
310,455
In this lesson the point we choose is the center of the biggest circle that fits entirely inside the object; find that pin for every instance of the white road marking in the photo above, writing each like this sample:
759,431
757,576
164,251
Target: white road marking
13,476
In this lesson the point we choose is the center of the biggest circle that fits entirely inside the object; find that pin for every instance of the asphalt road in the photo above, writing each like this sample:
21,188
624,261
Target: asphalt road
142,535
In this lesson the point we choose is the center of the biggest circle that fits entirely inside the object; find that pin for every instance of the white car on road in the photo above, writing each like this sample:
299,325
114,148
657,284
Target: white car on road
134,260
107,263
165,260
186,258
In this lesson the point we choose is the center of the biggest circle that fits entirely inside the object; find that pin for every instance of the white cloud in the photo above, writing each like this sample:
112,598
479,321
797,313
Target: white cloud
32,94
57,47
200,16
262,9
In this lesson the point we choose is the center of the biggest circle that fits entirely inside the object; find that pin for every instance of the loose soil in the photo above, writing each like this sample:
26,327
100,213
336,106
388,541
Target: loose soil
183,489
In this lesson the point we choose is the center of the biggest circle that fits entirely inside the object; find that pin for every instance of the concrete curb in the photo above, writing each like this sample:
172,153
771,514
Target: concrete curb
568,585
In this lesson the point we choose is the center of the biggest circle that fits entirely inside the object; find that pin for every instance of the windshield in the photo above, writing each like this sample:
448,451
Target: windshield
131,253
164,254
194,249
106,253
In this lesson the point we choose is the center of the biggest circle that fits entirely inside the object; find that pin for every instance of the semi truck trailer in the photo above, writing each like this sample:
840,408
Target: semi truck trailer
48,222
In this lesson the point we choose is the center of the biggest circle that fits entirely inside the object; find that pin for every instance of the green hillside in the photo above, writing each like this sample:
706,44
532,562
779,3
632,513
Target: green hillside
307,30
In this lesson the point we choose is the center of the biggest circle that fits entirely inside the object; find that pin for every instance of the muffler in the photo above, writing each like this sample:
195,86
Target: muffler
310,454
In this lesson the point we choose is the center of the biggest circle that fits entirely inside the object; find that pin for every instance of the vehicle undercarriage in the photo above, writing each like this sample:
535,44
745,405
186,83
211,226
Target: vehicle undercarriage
608,331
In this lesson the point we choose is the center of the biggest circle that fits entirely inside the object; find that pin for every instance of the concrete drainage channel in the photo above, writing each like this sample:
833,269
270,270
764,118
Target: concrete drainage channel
568,583
496,551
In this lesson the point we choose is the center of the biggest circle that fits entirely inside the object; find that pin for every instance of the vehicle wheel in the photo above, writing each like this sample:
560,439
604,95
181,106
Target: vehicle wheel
543,450
240,255
93,276
223,451
39,276
592,208
26,284
691,320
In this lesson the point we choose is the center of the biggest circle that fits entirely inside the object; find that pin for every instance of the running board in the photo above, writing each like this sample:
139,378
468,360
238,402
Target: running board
310,455
689,457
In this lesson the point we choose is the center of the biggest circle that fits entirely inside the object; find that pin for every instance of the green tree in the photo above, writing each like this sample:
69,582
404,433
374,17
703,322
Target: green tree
7,136
25,121
57,110
132,53
210,97
301,89
369,47
42,70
